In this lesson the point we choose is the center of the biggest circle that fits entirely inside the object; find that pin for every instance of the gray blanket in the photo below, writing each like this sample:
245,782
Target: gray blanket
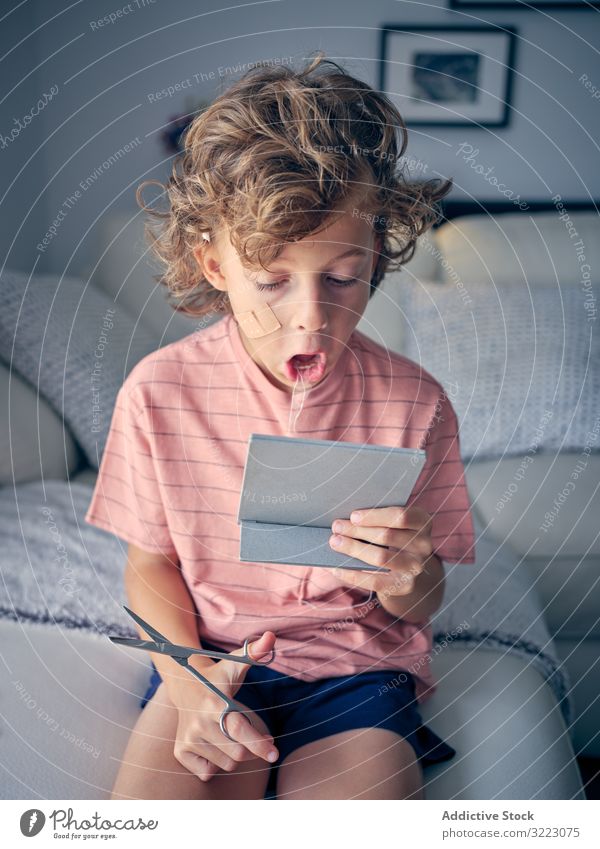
519,363
57,569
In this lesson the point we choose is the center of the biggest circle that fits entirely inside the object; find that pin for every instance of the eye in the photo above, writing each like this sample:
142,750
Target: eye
262,287
267,287
339,282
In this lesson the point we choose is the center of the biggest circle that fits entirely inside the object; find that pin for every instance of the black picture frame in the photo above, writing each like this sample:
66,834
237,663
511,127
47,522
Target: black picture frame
525,6
508,33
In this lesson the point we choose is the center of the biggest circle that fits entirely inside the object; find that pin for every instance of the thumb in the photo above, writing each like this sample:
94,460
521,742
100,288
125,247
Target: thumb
257,649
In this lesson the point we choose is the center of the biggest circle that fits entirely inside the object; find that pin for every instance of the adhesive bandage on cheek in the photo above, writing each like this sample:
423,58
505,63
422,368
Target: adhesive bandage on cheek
257,323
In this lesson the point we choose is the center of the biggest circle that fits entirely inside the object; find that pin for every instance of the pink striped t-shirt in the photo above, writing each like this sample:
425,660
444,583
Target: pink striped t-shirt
171,476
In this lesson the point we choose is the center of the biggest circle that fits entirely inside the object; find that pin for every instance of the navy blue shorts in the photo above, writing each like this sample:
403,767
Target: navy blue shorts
297,712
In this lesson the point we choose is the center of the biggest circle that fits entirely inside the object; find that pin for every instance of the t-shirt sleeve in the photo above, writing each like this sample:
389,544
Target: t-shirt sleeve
127,499
441,489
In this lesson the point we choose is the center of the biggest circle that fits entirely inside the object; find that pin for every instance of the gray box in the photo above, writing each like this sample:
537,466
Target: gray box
293,489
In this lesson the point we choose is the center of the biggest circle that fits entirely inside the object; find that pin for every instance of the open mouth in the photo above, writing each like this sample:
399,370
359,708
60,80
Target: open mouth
308,367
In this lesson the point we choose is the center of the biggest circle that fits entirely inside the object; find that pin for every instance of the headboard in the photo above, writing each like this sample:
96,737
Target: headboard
453,207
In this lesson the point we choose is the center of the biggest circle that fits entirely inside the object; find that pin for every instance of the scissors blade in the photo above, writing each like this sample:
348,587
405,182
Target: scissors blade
177,652
147,628
160,648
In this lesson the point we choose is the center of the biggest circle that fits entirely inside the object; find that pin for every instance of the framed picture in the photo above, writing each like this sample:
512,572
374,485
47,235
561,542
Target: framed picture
526,5
450,76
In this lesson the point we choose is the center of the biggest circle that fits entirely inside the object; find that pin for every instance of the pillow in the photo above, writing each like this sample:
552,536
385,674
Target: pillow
33,440
74,345
520,367
427,261
125,270
382,320
517,249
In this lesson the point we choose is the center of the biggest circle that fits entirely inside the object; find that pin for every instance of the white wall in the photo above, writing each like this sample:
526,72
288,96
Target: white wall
22,215
106,76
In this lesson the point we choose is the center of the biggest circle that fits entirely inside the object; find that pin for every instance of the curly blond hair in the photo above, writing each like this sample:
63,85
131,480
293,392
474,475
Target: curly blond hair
273,157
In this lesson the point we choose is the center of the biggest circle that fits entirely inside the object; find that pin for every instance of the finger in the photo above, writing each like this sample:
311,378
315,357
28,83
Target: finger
403,584
372,555
392,517
258,649
208,751
417,541
208,771
357,578
194,763
204,769
403,578
241,729
233,753
377,534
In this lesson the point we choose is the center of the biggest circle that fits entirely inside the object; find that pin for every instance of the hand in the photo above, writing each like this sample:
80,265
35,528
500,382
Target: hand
406,534
200,745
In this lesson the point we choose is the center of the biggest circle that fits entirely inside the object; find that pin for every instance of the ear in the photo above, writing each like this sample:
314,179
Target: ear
207,257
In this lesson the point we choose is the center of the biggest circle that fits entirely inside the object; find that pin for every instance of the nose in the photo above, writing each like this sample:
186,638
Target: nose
311,308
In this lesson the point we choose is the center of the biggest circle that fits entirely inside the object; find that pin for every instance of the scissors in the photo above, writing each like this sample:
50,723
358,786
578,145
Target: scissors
181,654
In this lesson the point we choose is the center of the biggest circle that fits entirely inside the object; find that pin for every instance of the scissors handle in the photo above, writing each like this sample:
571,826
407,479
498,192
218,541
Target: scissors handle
247,658
222,655
231,706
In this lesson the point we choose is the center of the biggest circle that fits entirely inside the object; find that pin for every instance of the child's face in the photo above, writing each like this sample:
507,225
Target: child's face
317,312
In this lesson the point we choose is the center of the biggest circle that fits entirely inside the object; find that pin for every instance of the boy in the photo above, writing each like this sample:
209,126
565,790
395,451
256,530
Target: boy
285,213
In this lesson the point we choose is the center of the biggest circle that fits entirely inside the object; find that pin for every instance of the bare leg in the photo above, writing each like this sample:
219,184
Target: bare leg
365,763
149,769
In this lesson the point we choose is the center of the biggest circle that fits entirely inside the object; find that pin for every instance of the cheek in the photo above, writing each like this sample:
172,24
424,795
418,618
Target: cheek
244,295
